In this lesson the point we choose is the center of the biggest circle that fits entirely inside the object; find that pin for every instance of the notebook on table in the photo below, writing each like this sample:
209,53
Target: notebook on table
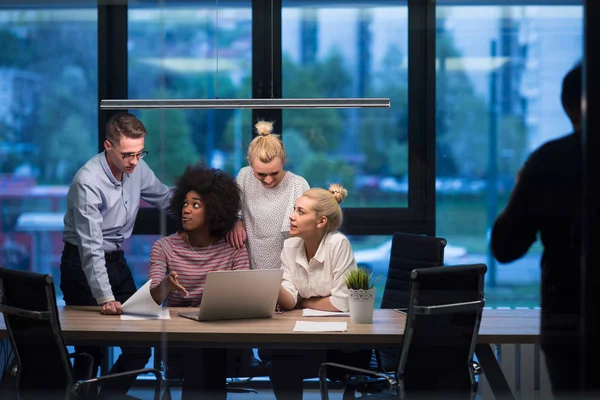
239,294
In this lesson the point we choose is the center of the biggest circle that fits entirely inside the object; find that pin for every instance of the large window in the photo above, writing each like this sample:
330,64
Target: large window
498,80
188,50
48,124
348,49
498,71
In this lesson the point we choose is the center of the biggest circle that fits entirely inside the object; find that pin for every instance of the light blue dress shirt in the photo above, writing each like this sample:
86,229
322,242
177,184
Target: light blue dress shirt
101,212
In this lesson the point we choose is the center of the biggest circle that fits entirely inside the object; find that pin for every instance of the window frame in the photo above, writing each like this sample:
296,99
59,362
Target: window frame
417,217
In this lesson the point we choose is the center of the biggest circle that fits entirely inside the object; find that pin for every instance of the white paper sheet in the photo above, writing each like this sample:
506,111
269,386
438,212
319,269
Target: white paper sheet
309,312
142,304
307,326
163,315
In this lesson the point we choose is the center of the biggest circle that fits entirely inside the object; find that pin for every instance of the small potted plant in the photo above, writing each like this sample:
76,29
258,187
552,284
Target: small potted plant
361,299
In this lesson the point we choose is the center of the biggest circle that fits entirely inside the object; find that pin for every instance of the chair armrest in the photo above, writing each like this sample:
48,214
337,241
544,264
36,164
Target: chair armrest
86,383
323,376
379,362
88,358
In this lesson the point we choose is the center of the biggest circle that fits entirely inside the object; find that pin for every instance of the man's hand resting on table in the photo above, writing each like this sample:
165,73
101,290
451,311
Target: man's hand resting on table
111,308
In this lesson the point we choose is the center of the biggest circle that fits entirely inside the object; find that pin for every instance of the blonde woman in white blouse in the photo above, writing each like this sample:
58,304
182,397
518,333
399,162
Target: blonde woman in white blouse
314,261
268,195
317,257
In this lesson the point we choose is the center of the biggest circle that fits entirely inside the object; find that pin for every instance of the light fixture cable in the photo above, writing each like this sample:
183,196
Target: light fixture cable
272,50
217,51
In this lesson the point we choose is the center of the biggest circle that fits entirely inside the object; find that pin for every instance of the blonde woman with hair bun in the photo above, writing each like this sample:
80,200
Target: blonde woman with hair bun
268,195
315,240
315,261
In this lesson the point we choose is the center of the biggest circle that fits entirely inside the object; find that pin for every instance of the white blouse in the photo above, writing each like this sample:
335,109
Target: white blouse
265,213
324,274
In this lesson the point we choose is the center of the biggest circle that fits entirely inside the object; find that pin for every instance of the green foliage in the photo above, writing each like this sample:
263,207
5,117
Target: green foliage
360,278
296,149
322,127
169,142
199,133
61,151
384,132
463,122
320,170
322,144
55,79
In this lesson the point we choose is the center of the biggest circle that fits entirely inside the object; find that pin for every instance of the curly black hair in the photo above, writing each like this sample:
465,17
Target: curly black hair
219,193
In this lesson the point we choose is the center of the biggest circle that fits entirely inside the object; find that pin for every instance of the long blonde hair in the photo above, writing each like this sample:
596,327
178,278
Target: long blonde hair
327,204
266,146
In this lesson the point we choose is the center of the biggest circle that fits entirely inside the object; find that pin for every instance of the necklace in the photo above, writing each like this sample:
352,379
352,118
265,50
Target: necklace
187,240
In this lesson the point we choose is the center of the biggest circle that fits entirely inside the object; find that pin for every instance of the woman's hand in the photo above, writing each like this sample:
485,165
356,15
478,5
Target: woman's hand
172,283
237,236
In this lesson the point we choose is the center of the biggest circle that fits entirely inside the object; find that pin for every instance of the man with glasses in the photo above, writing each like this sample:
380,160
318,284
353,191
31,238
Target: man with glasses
102,205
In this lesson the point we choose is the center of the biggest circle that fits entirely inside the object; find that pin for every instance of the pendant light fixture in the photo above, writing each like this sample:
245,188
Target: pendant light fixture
217,103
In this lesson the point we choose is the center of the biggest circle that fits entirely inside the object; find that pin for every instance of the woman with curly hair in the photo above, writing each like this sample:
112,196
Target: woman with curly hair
208,201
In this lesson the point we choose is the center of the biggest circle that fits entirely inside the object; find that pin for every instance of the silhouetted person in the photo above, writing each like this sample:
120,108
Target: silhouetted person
547,199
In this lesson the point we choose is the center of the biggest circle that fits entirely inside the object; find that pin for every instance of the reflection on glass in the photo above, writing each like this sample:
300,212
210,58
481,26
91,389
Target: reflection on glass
337,50
499,72
48,125
181,50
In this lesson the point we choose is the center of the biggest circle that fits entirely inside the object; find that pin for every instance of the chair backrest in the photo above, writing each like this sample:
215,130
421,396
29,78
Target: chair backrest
409,252
442,325
31,317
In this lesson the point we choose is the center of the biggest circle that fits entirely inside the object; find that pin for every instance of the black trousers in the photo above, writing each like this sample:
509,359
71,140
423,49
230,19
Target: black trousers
290,367
202,370
77,292
563,361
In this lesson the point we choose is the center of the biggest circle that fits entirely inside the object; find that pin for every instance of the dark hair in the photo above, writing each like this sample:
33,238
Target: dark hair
571,94
219,193
124,124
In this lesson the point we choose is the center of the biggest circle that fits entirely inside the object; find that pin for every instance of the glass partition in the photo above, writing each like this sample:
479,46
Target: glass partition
348,49
181,50
48,124
498,80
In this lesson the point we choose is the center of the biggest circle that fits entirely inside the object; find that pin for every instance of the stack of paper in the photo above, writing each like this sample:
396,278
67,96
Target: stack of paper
306,326
309,312
141,306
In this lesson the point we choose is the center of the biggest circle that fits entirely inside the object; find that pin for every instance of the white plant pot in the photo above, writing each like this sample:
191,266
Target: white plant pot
362,303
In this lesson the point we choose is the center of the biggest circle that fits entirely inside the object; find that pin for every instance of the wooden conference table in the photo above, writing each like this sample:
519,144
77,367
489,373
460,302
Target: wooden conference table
85,325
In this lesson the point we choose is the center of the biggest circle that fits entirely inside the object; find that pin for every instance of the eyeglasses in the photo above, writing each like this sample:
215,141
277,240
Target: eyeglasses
130,156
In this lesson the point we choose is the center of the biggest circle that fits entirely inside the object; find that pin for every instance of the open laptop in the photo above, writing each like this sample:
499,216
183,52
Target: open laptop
239,294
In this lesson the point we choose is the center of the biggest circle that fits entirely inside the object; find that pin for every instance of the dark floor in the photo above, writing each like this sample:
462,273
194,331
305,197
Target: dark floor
262,388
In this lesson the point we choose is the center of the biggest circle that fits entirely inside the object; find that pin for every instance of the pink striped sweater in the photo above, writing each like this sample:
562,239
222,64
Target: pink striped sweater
172,253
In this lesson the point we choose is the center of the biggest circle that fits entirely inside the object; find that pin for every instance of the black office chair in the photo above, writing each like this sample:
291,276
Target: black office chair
440,335
408,252
44,370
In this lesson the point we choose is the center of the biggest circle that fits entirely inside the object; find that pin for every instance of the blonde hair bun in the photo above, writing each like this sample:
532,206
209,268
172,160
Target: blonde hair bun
338,192
264,128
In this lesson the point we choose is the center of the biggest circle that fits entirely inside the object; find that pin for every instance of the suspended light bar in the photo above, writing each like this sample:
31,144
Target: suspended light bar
244,103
